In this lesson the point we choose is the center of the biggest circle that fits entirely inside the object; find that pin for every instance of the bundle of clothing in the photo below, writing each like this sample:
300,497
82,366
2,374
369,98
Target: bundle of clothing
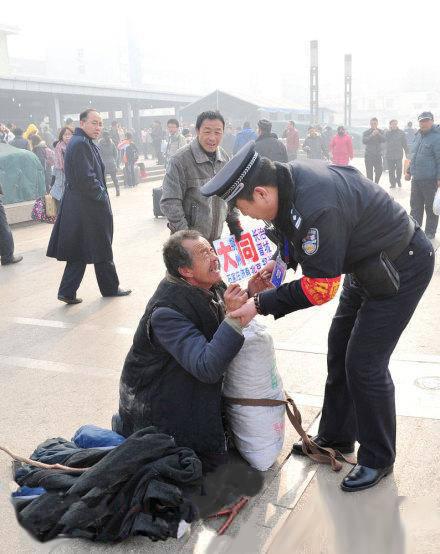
141,485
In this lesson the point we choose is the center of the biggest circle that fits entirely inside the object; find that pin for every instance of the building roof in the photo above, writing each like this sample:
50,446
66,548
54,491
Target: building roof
25,84
260,104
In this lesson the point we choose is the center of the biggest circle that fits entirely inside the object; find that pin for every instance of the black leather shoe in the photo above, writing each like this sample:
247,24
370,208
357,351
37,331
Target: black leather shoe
68,300
13,260
119,292
343,447
363,477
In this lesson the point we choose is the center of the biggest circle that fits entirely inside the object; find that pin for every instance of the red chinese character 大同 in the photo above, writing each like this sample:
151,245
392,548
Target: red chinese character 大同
246,247
224,252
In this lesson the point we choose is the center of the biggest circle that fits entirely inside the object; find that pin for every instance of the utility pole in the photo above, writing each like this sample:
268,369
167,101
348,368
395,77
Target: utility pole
347,91
314,85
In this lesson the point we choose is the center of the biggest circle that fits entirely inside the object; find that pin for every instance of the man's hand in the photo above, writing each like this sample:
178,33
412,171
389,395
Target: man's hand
438,184
246,313
235,297
261,280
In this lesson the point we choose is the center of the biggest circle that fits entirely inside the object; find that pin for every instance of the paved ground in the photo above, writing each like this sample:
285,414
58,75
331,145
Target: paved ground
60,366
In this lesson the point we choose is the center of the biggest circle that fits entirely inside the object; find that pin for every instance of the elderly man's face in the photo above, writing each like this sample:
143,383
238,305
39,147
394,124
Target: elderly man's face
205,269
426,125
92,126
210,134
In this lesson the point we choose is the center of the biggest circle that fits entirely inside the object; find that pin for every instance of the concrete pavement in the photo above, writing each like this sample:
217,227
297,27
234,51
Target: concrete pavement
60,366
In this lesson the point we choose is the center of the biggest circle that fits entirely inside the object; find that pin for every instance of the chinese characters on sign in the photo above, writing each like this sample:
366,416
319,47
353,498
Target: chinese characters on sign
240,260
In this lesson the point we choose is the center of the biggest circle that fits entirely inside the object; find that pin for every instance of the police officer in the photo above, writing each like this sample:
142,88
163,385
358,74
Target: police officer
331,220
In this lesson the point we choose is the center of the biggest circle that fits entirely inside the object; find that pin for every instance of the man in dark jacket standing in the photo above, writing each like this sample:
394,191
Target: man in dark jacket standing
373,139
425,172
268,144
396,145
173,380
83,231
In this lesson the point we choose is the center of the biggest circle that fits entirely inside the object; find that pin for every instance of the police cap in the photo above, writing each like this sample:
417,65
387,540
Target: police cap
233,177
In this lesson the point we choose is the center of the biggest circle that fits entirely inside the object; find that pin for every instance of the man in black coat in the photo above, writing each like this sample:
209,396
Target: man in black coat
268,144
83,231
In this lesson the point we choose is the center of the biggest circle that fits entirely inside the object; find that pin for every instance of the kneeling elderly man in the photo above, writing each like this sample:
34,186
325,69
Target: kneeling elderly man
172,376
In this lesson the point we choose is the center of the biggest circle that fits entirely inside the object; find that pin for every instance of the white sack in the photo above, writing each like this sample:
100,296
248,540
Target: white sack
258,431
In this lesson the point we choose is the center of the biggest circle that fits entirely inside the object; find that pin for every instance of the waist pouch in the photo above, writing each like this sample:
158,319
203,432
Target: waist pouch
378,276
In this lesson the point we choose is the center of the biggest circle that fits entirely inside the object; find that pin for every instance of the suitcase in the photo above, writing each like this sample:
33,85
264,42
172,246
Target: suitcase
157,195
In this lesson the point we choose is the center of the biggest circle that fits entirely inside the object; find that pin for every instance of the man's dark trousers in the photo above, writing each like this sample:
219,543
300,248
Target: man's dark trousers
130,174
106,276
6,240
373,164
359,394
394,171
422,198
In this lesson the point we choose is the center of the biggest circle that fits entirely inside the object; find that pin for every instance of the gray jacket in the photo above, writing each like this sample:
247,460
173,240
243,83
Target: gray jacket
182,203
174,143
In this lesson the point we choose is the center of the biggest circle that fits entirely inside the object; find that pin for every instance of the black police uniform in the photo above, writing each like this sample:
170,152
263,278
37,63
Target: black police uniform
336,221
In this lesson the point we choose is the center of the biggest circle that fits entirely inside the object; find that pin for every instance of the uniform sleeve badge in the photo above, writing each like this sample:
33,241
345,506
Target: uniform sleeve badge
310,243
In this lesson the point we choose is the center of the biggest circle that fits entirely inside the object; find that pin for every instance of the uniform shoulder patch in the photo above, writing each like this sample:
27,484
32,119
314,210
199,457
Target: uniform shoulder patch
295,218
310,243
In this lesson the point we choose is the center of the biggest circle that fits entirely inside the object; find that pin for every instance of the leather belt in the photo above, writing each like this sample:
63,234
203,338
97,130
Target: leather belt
393,252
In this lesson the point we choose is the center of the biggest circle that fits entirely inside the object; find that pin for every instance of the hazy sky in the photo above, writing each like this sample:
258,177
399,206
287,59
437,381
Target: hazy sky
259,49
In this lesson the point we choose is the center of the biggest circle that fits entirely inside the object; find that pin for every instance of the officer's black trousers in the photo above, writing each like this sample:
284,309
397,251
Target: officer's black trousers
359,393
373,164
106,276
422,198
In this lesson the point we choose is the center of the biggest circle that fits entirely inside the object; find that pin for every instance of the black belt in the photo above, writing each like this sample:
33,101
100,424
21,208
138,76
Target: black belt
394,251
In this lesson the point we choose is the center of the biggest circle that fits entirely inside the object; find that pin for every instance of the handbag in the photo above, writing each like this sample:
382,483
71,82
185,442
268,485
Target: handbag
51,208
39,211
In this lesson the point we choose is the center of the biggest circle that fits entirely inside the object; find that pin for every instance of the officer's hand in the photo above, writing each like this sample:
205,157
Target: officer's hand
234,297
266,272
261,280
246,313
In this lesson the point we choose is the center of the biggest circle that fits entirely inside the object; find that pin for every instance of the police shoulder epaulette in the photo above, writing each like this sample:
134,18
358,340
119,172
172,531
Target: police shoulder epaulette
295,217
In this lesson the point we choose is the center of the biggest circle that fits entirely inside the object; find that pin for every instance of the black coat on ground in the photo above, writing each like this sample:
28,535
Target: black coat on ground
141,487
83,231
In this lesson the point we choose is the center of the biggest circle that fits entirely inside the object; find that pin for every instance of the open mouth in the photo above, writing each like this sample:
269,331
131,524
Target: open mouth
215,268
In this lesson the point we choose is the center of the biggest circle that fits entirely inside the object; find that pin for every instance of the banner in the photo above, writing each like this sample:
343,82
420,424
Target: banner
240,260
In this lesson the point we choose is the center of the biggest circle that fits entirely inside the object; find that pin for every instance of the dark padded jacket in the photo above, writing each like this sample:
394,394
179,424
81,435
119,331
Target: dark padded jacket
156,390
271,147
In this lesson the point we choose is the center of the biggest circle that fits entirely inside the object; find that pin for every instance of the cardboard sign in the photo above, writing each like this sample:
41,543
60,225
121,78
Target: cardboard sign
240,260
